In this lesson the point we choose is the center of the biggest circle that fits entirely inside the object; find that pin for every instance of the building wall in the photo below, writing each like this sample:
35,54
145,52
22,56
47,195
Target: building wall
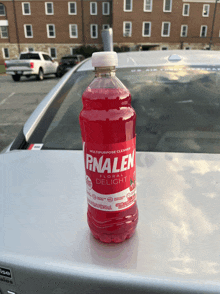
61,19
63,43
157,16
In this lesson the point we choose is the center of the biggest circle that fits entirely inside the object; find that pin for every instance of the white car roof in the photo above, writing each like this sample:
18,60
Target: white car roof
44,234
162,58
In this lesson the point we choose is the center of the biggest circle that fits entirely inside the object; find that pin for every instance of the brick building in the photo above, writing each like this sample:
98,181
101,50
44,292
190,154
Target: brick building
166,24
59,26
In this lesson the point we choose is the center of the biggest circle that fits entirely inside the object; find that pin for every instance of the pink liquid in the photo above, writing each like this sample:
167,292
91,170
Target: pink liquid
107,118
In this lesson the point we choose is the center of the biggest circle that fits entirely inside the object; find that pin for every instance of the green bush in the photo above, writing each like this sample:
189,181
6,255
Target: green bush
86,50
121,49
2,68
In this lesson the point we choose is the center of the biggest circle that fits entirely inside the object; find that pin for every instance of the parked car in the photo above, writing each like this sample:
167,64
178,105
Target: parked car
45,243
32,63
67,62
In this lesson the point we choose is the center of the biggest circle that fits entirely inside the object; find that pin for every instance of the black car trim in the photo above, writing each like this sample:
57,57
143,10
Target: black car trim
20,141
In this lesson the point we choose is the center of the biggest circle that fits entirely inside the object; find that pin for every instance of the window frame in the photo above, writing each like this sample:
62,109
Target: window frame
103,8
203,10
3,53
131,4
106,25
69,10
164,6
151,6
29,7
2,32
49,50
205,31
124,25
25,31
48,35
143,29
4,10
96,8
185,4
70,31
162,29
91,25
181,31
46,10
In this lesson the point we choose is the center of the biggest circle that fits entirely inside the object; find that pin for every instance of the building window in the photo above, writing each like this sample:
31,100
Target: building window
185,9
53,52
127,28
49,8
165,32
4,32
184,29
105,8
26,9
203,31
51,31
30,49
128,5
148,5
28,31
5,52
187,48
94,31
72,8
2,10
167,5
164,48
93,8
146,29
105,26
73,31
205,11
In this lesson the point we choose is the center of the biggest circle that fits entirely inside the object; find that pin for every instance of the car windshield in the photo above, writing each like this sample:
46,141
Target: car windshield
177,110
30,56
69,57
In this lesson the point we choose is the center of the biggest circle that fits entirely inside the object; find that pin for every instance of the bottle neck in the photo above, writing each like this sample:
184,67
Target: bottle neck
105,71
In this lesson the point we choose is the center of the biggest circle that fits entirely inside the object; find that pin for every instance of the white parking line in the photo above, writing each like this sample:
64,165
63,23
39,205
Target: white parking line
10,124
3,101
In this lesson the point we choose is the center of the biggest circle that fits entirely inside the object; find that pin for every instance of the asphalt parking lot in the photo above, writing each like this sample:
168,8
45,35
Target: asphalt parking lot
17,101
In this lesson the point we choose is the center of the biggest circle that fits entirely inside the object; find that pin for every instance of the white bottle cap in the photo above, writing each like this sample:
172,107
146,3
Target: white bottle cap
104,59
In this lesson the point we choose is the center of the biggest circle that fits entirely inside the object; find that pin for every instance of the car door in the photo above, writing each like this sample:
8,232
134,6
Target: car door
47,66
53,65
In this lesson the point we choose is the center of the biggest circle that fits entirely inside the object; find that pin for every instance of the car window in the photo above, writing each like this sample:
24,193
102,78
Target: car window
30,56
177,110
46,57
70,57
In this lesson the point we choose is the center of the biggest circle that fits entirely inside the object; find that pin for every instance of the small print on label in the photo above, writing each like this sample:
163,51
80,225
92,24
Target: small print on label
35,147
6,275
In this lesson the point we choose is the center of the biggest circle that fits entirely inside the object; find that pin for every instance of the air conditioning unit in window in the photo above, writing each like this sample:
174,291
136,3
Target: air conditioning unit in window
126,35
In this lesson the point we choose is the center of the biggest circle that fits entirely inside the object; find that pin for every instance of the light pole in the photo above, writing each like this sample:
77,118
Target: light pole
213,22
16,27
83,36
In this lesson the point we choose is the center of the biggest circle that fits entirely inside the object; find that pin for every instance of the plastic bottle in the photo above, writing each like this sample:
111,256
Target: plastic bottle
107,123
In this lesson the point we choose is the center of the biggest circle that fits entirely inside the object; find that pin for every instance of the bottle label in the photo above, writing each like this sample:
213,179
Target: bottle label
110,175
